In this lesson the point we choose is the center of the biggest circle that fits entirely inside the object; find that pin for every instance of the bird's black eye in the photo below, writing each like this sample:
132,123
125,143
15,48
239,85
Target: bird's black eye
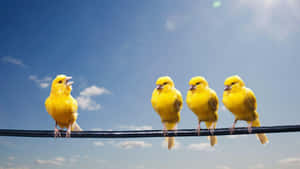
165,83
197,83
60,81
233,83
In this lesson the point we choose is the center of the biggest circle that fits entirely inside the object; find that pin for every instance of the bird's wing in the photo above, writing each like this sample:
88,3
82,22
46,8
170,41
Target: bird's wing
74,105
250,100
213,102
47,105
178,102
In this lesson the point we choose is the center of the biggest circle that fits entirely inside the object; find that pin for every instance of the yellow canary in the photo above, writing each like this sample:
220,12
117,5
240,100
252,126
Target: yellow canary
204,102
167,102
62,106
241,101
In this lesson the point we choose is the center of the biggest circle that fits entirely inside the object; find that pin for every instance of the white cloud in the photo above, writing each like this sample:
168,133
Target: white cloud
140,167
74,158
257,166
133,127
94,91
57,161
177,144
17,167
86,103
223,167
11,158
85,100
12,60
133,144
97,129
263,13
200,147
43,83
236,136
98,143
170,25
290,160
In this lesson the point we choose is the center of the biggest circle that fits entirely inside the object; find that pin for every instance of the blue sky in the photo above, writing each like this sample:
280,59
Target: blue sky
115,50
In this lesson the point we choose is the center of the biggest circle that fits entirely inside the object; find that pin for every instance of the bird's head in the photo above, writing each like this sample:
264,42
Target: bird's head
233,83
61,85
198,83
164,83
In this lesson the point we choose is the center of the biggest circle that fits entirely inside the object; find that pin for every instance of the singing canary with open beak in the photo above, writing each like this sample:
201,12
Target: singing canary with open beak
204,102
241,101
167,102
62,106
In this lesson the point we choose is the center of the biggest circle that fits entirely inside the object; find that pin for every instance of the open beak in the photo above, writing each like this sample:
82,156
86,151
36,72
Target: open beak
192,87
68,81
159,87
227,88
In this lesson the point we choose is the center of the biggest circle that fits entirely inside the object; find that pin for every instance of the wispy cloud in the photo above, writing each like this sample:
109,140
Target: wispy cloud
257,166
98,143
223,167
133,144
43,83
16,167
170,25
177,145
12,60
236,136
200,147
74,158
58,161
263,13
11,158
133,127
290,160
85,100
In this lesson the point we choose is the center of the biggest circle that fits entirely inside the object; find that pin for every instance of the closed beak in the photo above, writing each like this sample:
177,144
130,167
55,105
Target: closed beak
192,87
227,88
159,87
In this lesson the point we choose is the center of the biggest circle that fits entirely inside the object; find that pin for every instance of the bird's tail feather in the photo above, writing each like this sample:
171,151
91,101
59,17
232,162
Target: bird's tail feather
261,136
171,142
212,139
76,127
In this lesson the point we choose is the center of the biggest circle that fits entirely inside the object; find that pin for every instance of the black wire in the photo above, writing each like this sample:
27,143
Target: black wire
150,133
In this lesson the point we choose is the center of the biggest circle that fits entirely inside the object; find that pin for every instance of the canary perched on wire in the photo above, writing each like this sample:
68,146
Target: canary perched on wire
204,102
241,101
167,102
62,106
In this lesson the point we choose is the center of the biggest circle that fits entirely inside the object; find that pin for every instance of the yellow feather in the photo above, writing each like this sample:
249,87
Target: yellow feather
241,101
61,105
167,102
203,101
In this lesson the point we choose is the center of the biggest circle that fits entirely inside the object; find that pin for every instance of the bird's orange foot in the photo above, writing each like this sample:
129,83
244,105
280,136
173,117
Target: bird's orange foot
198,131
211,130
56,133
231,130
165,132
249,129
68,133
